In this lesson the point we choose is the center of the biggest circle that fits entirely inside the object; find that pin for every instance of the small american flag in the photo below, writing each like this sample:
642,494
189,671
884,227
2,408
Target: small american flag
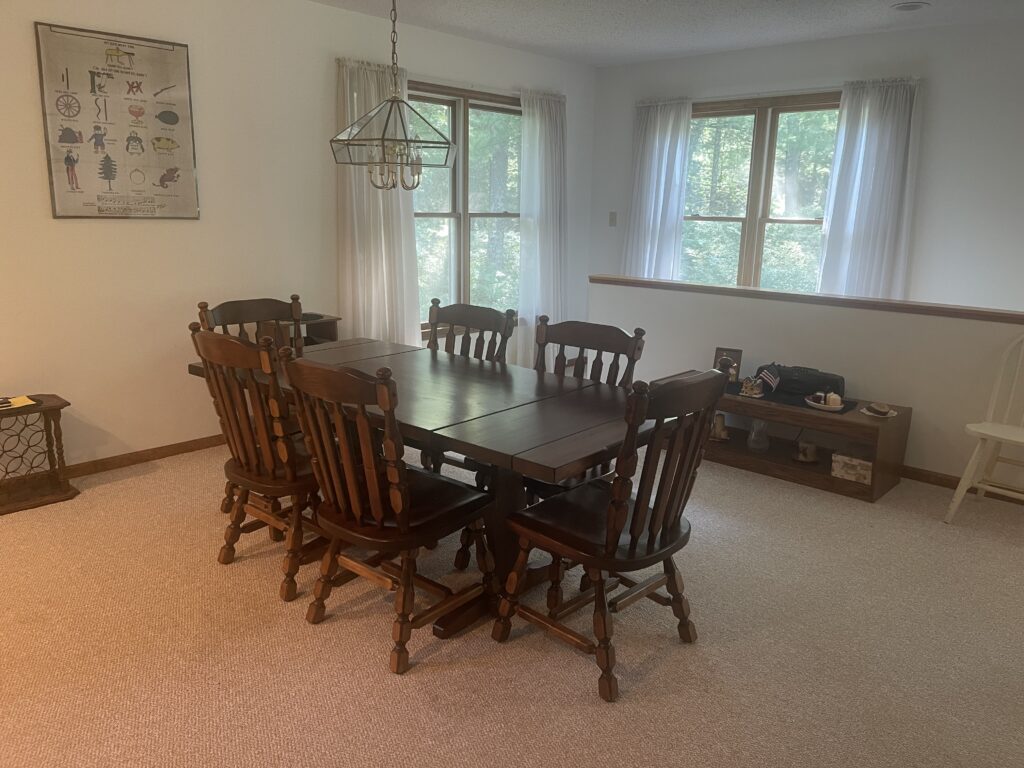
770,377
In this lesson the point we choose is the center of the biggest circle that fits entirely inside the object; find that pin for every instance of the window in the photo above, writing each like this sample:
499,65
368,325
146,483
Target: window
755,191
467,217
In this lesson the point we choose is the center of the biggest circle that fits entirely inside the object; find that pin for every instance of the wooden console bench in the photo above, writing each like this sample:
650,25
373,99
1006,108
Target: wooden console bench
883,442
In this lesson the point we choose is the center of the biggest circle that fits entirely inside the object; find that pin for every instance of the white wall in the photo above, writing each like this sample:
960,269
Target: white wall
942,367
966,249
97,310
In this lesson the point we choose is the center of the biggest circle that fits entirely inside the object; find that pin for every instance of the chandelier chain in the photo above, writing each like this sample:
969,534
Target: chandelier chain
394,46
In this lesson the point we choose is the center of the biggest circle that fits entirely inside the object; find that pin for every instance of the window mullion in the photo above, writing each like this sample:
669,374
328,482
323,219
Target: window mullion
750,243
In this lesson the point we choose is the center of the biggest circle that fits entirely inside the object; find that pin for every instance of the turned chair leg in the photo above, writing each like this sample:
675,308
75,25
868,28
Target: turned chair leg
405,600
293,555
990,466
432,461
555,572
234,529
322,590
482,479
967,481
462,556
484,559
276,534
513,585
680,605
230,489
607,684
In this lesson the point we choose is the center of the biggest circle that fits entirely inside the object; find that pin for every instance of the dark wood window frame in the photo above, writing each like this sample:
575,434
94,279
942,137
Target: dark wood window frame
758,216
461,100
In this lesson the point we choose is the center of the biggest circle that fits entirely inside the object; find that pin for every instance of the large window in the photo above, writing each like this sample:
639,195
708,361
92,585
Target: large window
467,217
755,191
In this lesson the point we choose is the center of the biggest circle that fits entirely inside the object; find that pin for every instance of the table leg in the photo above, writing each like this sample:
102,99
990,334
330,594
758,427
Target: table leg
509,497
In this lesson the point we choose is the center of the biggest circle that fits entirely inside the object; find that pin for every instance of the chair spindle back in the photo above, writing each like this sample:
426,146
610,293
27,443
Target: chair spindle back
472,319
590,337
243,381
357,461
1006,404
682,410
281,320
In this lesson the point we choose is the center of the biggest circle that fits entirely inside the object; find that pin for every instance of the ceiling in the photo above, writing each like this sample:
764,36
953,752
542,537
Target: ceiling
604,32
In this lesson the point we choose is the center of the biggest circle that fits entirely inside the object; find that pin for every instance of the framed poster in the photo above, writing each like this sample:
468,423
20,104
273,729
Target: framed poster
117,111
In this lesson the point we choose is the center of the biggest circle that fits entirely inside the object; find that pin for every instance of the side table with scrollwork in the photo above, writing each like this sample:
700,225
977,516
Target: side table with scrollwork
32,455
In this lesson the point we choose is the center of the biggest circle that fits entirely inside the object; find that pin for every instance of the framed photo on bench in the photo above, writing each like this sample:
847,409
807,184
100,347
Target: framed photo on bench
736,355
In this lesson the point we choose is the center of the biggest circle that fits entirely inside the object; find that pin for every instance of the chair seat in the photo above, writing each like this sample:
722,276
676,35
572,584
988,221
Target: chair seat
1004,433
439,506
573,524
304,482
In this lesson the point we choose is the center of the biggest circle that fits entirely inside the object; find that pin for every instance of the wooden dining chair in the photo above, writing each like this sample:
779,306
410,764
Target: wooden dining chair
589,343
281,320
602,525
462,321
265,465
373,501
577,344
1003,426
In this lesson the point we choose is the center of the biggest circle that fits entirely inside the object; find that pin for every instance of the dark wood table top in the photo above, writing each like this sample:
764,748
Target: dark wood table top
537,424
569,420
345,353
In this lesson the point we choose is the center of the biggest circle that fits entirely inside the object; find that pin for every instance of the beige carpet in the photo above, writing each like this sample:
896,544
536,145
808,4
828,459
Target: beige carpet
832,633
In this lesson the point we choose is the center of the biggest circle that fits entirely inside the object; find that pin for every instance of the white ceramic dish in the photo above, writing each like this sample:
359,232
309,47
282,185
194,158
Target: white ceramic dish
889,415
823,407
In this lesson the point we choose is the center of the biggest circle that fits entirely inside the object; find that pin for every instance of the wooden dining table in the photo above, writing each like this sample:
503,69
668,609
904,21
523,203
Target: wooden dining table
522,422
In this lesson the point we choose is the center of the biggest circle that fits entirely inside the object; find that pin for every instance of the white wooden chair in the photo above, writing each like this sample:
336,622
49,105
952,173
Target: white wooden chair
1003,425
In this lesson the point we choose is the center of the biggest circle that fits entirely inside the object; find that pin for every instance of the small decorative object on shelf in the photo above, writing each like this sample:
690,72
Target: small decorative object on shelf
752,387
881,410
758,441
719,432
32,454
806,452
850,468
736,355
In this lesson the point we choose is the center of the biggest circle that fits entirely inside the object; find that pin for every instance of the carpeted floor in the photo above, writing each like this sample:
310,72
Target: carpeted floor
832,633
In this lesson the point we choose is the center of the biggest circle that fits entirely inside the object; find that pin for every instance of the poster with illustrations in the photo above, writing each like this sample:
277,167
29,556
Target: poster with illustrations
117,111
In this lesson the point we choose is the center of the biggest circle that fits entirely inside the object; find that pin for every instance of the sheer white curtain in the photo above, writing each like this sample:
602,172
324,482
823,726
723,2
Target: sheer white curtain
654,234
867,216
378,289
543,220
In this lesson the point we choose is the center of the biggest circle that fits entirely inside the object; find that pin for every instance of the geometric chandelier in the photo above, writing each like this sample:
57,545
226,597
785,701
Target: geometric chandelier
393,140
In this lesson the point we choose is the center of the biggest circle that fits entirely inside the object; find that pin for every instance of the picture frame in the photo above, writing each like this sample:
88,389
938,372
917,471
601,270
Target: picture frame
118,125
736,355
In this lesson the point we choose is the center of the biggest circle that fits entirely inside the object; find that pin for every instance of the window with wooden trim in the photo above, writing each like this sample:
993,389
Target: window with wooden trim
756,186
467,216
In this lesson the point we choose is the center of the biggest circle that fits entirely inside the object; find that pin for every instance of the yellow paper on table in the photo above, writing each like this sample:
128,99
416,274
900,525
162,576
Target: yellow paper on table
19,402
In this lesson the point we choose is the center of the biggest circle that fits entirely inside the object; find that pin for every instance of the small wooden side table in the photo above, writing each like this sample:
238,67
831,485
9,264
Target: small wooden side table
32,455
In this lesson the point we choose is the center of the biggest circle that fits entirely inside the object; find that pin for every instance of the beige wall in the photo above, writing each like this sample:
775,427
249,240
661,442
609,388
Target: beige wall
965,247
97,310
941,367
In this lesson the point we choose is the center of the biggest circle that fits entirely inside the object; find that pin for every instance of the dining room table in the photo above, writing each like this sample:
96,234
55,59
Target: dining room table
521,422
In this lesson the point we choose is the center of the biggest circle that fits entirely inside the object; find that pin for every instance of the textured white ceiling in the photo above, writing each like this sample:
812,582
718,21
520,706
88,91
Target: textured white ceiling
618,31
